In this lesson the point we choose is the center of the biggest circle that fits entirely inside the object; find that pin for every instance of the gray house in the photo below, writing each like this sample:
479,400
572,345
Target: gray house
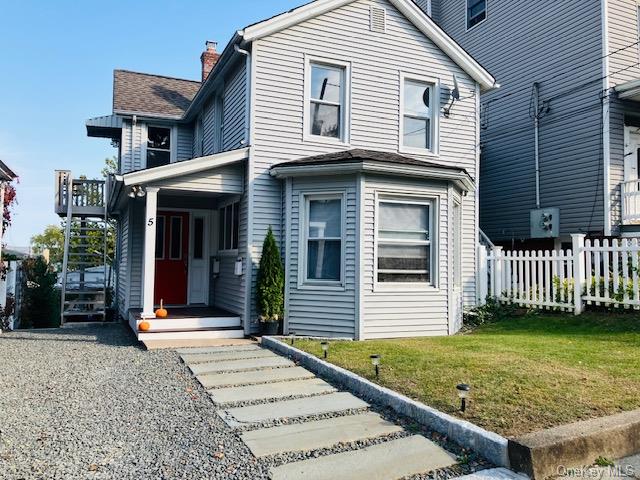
571,67
329,124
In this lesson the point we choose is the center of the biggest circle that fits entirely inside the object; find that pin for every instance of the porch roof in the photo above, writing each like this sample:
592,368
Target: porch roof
361,160
629,90
157,175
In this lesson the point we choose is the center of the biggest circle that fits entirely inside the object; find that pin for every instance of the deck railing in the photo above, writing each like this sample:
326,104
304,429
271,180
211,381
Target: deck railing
87,196
630,201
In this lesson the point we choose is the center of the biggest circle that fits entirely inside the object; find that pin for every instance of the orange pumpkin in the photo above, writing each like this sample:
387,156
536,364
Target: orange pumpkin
144,326
161,312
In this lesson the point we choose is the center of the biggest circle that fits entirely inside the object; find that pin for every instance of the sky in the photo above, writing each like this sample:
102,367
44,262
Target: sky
56,71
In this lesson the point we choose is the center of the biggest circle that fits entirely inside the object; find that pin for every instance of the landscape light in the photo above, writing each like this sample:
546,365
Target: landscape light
293,336
325,348
375,361
463,393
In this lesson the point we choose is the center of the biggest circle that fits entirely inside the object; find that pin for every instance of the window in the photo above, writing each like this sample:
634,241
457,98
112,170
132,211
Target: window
198,238
404,241
158,146
229,227
476,12
160,238
175,239
327,101
323,232
418,107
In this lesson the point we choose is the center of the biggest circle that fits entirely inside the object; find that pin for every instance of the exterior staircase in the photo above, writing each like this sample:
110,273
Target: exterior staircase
84,281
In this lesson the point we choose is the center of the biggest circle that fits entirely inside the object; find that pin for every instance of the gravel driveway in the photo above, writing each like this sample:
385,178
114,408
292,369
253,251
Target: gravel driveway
90,403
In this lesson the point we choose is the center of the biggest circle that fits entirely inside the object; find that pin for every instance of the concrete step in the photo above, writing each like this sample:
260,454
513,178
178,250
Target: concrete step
216,380
386,461
193,358
311,386
242,347
243,364
317,434
333,402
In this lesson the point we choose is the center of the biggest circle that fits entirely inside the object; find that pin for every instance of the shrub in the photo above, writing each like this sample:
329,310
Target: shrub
39,308
491,311
270,282
6,311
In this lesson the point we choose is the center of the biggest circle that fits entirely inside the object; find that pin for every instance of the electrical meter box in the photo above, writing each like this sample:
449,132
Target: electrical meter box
545,222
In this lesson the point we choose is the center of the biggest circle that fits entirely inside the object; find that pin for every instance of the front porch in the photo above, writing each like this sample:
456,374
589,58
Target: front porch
184,222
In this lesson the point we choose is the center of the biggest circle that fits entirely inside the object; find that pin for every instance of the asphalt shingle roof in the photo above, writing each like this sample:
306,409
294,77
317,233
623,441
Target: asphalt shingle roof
360,155
144,93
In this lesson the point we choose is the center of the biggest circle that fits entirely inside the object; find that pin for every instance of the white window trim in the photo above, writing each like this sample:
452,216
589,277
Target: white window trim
456,280
232,251
344,139
173,138
468,28
303,208
434,233
434,151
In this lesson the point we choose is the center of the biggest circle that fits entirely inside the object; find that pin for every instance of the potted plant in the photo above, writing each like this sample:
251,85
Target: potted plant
270,286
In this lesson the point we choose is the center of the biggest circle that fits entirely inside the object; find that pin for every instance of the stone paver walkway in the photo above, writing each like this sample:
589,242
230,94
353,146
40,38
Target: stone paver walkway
280,408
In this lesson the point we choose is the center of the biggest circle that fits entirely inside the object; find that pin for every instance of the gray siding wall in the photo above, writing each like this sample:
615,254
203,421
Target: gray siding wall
184,149
376,60
123,263
131,148
622,30
557,44
314,311
136,231
388,311
228,179
234,95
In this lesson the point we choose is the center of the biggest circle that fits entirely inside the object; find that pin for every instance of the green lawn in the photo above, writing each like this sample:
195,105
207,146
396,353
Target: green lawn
526,373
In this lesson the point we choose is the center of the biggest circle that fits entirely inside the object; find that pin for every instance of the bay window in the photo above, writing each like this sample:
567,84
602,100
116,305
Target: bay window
404,241
323,243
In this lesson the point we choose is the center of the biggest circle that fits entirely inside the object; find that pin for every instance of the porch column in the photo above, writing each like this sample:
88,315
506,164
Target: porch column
149,258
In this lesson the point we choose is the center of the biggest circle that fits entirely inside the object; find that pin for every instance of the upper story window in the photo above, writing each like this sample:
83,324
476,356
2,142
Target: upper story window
327,101
158,146
404,253
476,12
324,244
418,118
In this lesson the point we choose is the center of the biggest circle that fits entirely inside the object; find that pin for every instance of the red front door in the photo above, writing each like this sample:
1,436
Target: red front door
172,257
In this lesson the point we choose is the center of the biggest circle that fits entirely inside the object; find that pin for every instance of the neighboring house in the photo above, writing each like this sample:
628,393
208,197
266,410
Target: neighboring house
6,175
326,123
584,57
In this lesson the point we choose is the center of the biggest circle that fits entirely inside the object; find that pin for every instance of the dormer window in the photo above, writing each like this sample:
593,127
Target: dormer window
327,102
158,146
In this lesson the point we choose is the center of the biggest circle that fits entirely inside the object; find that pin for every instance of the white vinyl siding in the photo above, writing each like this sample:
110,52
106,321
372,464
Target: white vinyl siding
343,36
314,310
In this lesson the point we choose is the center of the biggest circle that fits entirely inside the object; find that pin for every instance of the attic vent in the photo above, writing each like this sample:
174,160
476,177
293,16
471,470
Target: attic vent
378,19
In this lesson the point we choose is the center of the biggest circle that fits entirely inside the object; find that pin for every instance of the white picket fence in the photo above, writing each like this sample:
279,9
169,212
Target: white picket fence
599,273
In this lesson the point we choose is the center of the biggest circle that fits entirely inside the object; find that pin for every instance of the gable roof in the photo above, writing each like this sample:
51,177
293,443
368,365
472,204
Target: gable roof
407,7
152,95
6,173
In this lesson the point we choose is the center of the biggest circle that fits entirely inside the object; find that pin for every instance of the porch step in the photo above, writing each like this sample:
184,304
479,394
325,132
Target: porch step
192,323
190,335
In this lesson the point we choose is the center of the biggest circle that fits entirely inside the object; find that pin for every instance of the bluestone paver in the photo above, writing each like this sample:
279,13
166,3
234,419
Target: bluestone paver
385,461
248,377
317,434
310,386
243,364
193,358
332,402
220,349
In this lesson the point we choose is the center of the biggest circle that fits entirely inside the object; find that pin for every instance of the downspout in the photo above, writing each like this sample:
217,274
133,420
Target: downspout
247,103
536,133
606,147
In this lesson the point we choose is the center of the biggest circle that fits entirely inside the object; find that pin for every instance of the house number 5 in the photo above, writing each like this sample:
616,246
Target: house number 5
150,222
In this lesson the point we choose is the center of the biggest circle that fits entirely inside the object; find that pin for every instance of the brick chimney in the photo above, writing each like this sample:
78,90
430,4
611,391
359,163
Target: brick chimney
209,58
